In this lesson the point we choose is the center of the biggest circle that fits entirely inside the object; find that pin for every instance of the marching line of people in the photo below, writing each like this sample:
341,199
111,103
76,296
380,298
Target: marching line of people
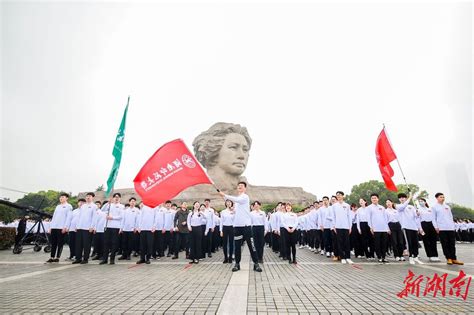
330,227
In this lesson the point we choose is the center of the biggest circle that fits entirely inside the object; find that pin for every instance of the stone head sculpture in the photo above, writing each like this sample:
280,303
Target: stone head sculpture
223,150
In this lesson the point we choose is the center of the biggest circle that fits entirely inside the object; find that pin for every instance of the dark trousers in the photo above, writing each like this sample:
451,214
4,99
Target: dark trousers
448,243
335,247
111,242
343,243
72,244
355,241
196,242
327,240
158,241
83,244
209,242
258,232
318,239
181,242
283,244
275,242
57,242
127,243
216,236
228,241
367,240
290,240
412,240
169,242
204,241
244,233
146,244
98,241
429,239
396,236
380,244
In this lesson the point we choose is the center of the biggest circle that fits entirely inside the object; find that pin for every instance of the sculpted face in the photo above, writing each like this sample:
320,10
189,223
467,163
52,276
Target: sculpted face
233,155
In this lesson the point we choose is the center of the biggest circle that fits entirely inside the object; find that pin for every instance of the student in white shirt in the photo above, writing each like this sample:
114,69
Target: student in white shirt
114,214
227,231
341,226
378,222
410,225
430,237
159,236
259,228
444,226
72,229
325,224
396,232
194,223
242,223
98,232
168,227
355,237
146,226
128,228
367,238
84,228
289,222
209,229
274,222
59,227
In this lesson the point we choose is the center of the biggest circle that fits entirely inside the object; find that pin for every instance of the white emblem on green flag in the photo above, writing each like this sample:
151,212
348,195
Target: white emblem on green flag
117,152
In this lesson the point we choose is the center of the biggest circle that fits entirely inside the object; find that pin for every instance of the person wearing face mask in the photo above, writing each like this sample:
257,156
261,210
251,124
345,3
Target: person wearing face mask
430,237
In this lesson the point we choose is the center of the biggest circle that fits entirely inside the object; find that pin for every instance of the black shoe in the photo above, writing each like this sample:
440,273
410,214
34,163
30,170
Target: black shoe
226,261
56,260
128,258
168,255
175,257
196,261
260,261
209,255
147,262
294,261
77,262
122,258
289,261
50,260
236,268
84,262
103,262
140,262
135,254
112,262
384,261
257,268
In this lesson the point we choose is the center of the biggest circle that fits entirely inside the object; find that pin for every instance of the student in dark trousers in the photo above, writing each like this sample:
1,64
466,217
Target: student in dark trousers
146,227
290,222
242,223
84,228
259,228
227,231
367,238
72,229
128,228
114,214
59,227
396,233
444,226
181,231
378,222
430,237
342,225
194,223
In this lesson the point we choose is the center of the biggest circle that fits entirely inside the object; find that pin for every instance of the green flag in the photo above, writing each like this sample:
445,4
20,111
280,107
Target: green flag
117,152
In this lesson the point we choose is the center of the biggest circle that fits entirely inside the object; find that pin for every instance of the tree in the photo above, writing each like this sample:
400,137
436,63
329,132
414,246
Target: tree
7,214
460,212
364,190
44,200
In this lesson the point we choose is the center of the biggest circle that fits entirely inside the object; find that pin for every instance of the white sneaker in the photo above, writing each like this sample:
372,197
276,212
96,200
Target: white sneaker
402,259
359,256
328,254
301,246
435,259
349,261
343,261
322,252
417,260
397,259
412,261
352,253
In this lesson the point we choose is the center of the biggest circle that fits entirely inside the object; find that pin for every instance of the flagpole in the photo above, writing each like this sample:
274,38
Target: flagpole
398,162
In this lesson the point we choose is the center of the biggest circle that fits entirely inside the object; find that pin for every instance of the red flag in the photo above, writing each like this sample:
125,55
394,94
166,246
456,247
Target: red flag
168,172
385,154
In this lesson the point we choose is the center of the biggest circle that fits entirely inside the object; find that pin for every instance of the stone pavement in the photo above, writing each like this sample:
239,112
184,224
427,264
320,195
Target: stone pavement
315,285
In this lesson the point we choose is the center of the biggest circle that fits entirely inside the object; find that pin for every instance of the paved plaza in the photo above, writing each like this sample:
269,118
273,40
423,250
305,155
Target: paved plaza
315,285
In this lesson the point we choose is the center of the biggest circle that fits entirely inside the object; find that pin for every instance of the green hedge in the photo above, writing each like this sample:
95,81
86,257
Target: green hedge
7,237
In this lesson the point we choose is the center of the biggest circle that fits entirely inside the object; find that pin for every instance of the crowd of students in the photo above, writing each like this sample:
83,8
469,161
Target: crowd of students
329,227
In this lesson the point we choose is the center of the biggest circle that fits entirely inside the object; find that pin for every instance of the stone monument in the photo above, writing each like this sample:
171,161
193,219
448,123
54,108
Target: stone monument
223,150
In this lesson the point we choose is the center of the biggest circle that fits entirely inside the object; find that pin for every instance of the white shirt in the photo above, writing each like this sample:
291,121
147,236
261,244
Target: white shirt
242,210
442,217
146,219
289,220
312,220
325,217
362,214
408,216
426,214
130,219
195,218
393,215
116,211
73,221
259,218
99,221
227,218
378,218
169,219
341,215
61,216
160,217
86,216
209,213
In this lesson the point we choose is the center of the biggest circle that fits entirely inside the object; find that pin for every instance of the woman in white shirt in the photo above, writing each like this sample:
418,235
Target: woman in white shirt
227,231
194,223
395,231
290,223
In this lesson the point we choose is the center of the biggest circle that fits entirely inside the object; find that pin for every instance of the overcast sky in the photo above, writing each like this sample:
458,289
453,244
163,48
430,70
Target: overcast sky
313,84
